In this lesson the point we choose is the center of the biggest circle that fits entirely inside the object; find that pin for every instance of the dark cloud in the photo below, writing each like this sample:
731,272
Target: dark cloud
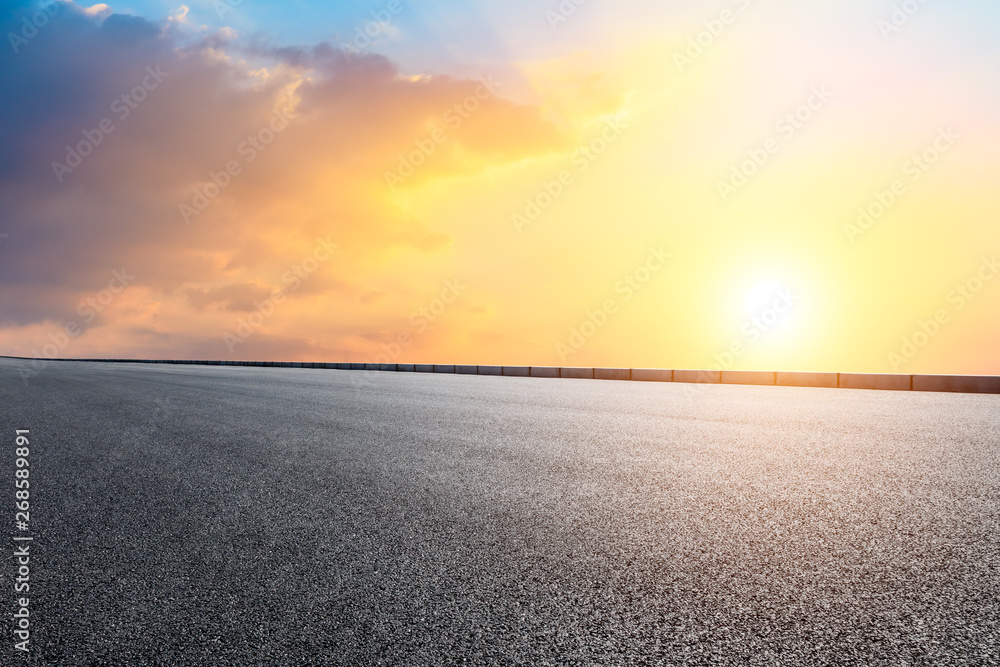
110,124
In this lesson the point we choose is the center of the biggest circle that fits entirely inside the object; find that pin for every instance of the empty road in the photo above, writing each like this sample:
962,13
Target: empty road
191,515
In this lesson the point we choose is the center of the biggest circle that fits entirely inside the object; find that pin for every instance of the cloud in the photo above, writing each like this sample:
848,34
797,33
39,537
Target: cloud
208,166
239,297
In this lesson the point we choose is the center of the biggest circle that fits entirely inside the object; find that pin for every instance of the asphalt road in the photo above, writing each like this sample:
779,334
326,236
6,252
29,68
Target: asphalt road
191,515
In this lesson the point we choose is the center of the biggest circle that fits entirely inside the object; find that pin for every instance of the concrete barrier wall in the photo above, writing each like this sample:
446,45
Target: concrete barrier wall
807,379
651,375
748,377
875,381
967,384
886,382
709,377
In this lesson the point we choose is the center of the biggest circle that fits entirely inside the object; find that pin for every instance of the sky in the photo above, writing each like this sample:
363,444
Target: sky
735,184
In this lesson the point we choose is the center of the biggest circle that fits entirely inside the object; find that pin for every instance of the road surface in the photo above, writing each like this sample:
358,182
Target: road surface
192,515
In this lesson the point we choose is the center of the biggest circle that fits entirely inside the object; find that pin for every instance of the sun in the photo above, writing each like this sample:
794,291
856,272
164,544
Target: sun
763,295
773,318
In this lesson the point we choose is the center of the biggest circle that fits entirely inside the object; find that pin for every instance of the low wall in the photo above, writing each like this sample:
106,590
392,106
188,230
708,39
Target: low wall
969,384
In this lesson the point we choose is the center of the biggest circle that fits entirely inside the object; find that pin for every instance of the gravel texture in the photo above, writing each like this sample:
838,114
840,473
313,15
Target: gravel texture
188,515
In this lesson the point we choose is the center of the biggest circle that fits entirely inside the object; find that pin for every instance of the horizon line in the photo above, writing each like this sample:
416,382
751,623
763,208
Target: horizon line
971,384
